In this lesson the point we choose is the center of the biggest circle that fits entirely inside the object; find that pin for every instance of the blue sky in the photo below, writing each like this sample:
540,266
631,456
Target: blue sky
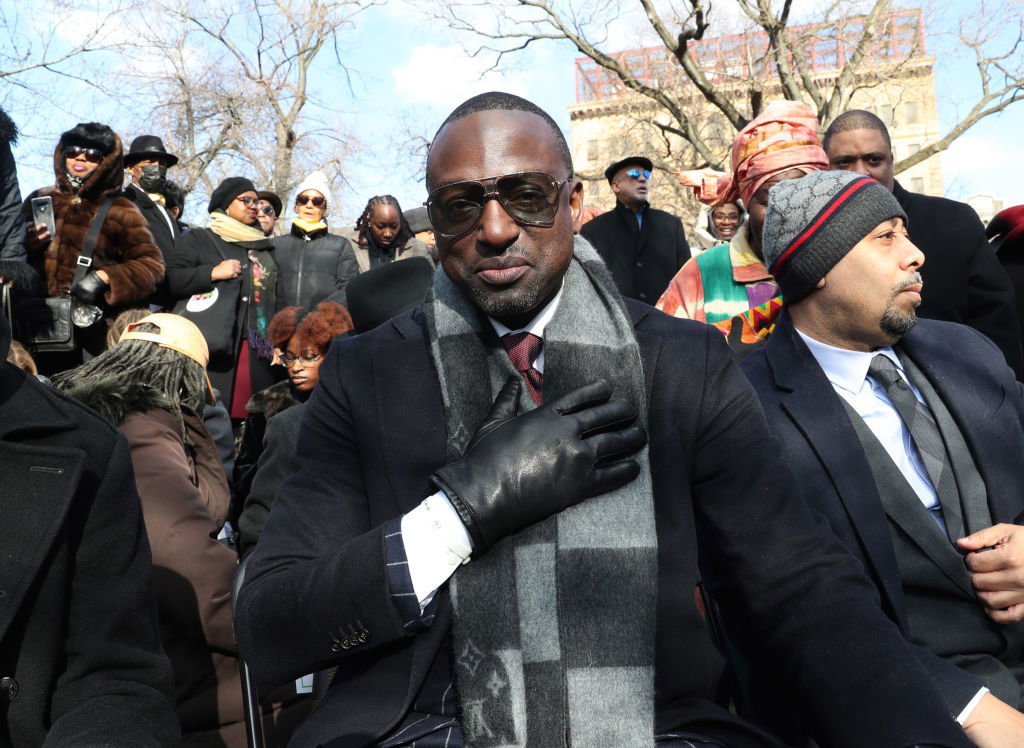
408,72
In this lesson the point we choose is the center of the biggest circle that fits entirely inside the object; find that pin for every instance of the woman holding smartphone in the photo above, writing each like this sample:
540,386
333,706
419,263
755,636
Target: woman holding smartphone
125,265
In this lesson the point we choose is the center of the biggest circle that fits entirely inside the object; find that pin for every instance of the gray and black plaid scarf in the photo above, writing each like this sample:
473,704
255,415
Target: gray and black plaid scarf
554,627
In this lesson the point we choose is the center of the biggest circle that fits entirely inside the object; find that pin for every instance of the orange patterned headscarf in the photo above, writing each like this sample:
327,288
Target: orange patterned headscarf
783,137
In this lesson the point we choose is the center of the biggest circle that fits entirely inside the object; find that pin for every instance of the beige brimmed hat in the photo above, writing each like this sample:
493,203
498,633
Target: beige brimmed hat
178,334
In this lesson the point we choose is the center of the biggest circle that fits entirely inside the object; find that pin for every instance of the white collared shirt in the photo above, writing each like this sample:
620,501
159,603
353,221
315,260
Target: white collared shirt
847,371
436,541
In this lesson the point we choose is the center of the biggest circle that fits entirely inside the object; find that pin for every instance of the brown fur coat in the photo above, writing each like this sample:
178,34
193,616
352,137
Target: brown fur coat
124,249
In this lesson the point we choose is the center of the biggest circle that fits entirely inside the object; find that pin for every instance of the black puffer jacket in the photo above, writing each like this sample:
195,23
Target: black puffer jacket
312,266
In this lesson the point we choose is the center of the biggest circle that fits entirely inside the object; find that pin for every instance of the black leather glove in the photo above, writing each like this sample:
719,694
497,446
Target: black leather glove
520,469
90,289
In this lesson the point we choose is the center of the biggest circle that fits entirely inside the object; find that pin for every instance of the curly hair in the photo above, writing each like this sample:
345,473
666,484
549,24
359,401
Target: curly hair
310,327
363,224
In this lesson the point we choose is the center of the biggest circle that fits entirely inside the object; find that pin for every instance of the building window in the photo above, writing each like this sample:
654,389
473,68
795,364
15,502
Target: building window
593,150
913,148
885,114
910,113
917,184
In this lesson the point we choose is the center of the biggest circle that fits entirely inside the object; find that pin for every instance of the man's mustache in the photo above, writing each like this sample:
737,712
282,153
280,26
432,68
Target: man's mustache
911,280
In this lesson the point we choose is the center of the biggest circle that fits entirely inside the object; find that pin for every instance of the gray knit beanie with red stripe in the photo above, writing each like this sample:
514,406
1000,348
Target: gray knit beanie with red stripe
812,222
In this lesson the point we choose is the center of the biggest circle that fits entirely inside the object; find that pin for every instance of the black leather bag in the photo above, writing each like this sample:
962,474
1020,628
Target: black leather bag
44,325
48,325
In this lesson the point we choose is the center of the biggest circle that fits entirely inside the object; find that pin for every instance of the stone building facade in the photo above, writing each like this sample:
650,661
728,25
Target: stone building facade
896,81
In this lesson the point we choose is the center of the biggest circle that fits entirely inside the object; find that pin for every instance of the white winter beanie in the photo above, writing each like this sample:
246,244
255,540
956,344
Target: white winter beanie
316,181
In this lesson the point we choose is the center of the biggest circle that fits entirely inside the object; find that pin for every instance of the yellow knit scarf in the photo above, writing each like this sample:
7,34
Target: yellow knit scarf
308,227
230,230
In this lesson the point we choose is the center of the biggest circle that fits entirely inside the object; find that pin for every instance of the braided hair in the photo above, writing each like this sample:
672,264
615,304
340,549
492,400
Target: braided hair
174,375
363,224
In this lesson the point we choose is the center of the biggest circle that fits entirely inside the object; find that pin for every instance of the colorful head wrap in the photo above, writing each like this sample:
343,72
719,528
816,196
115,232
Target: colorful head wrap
783,137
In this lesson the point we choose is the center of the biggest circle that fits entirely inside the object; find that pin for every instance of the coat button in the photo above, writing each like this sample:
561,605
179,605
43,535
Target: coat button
639,264
335,645
363,636
643,295
8,688
245,298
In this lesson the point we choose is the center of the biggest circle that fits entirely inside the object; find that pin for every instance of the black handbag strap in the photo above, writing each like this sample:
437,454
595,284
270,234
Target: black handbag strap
84,261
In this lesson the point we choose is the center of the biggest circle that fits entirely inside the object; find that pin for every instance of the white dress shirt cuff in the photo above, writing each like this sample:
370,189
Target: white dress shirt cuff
962,717
436,544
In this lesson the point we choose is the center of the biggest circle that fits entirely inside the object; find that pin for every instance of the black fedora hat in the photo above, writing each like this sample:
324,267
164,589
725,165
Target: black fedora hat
643,161
387,290
148,146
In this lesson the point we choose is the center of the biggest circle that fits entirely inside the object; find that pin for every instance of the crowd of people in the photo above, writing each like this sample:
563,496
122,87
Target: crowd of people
482,473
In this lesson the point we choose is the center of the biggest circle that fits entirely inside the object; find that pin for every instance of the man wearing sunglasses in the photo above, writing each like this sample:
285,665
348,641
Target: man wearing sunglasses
478,547
643,247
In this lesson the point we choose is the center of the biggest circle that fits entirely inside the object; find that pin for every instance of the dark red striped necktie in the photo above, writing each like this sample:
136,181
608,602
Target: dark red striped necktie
523,349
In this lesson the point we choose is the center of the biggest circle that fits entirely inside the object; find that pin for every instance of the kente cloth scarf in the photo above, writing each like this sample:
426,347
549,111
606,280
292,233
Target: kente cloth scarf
747,332
554,627
263,275
783,137
308,227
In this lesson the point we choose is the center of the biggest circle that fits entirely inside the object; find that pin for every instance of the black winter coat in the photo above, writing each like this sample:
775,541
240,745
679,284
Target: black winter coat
195,255
371,435
642,259
963,280
13,260
80,656
164,235
313,267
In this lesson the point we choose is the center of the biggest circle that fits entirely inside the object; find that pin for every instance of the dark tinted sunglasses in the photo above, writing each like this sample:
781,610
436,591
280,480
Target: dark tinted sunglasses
635,173
267,210
529,197
95,155
316,200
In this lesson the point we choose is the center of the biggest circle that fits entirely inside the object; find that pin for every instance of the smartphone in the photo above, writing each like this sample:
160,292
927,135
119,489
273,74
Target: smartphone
42,212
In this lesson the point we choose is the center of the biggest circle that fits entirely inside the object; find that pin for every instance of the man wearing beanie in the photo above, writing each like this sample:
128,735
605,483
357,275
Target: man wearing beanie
906,434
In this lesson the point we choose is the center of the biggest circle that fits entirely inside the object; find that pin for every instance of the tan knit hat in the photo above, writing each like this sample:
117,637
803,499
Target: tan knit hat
178,334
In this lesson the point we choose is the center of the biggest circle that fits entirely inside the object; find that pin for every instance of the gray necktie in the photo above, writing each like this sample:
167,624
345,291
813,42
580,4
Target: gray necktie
927,439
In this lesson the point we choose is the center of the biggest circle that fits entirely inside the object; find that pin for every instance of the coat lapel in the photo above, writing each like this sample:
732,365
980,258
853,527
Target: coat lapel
401,364
814,408
973,399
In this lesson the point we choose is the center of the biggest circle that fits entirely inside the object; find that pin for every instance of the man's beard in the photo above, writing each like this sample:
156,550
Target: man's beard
513,302
896,323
